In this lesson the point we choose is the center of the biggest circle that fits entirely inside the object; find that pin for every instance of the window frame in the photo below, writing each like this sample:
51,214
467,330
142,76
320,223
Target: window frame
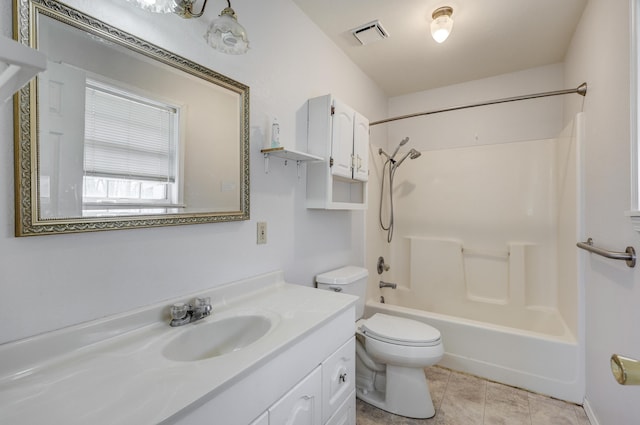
175,191
634,117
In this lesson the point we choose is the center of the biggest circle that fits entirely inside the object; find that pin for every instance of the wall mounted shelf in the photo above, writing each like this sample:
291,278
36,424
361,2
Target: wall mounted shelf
23,63
288,154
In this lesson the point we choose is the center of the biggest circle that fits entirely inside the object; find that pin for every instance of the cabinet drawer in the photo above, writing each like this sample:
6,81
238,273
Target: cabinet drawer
338,378
346,414
301,405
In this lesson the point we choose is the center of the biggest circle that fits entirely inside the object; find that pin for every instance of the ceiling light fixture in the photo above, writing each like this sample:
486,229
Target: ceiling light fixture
442,23
225,34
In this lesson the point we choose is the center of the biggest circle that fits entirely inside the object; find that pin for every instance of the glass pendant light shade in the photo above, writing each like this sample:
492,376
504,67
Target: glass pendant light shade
226,35
442,24
156,6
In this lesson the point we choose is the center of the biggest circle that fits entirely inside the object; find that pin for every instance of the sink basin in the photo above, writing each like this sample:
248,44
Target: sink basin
207,339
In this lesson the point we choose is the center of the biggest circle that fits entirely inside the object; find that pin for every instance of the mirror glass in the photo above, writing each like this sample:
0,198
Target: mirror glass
118,133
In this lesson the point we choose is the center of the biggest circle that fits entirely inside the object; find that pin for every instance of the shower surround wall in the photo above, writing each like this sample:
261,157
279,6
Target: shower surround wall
480,224
486,229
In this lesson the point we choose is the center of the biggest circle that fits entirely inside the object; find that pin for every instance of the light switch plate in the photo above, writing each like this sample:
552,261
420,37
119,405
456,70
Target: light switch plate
262,232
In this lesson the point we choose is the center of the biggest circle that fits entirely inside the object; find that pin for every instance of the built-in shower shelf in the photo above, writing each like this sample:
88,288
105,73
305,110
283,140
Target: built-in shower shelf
288,155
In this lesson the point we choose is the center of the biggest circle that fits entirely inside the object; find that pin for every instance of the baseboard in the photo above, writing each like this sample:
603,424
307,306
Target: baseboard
568,391
592,417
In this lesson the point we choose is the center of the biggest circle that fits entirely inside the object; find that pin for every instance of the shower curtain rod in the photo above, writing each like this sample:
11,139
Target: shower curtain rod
581,90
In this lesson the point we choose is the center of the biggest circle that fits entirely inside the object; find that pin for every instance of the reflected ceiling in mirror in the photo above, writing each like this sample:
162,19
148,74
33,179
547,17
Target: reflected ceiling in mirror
118,133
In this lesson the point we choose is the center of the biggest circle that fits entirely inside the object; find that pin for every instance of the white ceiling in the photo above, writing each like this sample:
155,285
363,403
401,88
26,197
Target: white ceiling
489,37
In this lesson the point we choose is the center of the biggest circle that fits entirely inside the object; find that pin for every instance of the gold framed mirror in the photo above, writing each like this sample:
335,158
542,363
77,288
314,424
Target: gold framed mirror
118,133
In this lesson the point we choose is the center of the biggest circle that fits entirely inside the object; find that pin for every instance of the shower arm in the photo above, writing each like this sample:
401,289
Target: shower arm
382,152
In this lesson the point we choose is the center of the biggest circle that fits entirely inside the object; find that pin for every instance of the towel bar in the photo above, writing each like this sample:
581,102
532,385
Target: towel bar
629,255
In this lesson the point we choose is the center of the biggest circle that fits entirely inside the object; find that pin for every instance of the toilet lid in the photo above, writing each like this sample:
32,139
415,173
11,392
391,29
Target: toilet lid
398,330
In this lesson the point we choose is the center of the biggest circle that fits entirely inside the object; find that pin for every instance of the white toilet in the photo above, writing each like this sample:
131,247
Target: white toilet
392,352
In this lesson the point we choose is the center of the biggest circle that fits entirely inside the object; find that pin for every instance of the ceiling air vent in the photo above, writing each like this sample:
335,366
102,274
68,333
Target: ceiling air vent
368,33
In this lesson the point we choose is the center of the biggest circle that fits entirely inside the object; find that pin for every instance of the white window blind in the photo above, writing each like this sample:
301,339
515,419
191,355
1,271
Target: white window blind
128,136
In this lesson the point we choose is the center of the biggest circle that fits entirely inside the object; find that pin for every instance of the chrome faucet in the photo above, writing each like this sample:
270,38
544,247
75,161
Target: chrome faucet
387,285
182,313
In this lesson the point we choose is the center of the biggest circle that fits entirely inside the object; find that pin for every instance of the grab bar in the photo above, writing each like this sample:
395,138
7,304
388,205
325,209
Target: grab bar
629,255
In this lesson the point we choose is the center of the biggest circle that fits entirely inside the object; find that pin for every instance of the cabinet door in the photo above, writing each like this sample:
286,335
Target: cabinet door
361,148
342,139
301,405
338,378
346,414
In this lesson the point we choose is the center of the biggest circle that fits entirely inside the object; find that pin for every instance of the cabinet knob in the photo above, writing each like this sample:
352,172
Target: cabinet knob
343,377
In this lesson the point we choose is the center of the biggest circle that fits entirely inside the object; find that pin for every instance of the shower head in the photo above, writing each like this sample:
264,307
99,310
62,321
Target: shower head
402,143
413,154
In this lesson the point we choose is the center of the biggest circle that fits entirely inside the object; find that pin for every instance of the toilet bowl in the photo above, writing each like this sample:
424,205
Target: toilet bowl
405,347
391,352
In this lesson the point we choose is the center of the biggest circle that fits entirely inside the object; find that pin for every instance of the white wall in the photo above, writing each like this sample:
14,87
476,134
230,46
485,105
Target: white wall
599,54
48,282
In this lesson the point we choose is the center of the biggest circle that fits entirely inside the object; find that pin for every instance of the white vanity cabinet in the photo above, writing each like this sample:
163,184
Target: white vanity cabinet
310,383
300,372
326,396
338,380
302,405
339,134
346,413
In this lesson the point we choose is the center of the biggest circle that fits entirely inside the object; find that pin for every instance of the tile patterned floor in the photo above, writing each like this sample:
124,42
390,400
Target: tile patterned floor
462,399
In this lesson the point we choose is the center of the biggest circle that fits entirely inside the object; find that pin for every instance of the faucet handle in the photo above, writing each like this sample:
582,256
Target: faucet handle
381,266
201,302
179,311
202,305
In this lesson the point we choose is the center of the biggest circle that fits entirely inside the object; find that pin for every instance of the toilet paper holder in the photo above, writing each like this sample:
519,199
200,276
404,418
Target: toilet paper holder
625,370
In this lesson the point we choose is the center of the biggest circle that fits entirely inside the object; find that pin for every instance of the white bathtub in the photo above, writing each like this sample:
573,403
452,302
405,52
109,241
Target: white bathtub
541,362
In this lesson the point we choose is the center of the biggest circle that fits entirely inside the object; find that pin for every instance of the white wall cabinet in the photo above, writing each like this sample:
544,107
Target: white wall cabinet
339,134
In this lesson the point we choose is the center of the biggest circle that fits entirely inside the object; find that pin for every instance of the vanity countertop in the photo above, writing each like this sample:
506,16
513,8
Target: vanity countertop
112,371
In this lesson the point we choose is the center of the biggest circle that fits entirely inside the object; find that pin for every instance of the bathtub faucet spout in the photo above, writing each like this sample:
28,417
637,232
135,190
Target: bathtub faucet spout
387,285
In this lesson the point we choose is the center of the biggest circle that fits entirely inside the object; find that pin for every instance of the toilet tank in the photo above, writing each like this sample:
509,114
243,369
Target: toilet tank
347,280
